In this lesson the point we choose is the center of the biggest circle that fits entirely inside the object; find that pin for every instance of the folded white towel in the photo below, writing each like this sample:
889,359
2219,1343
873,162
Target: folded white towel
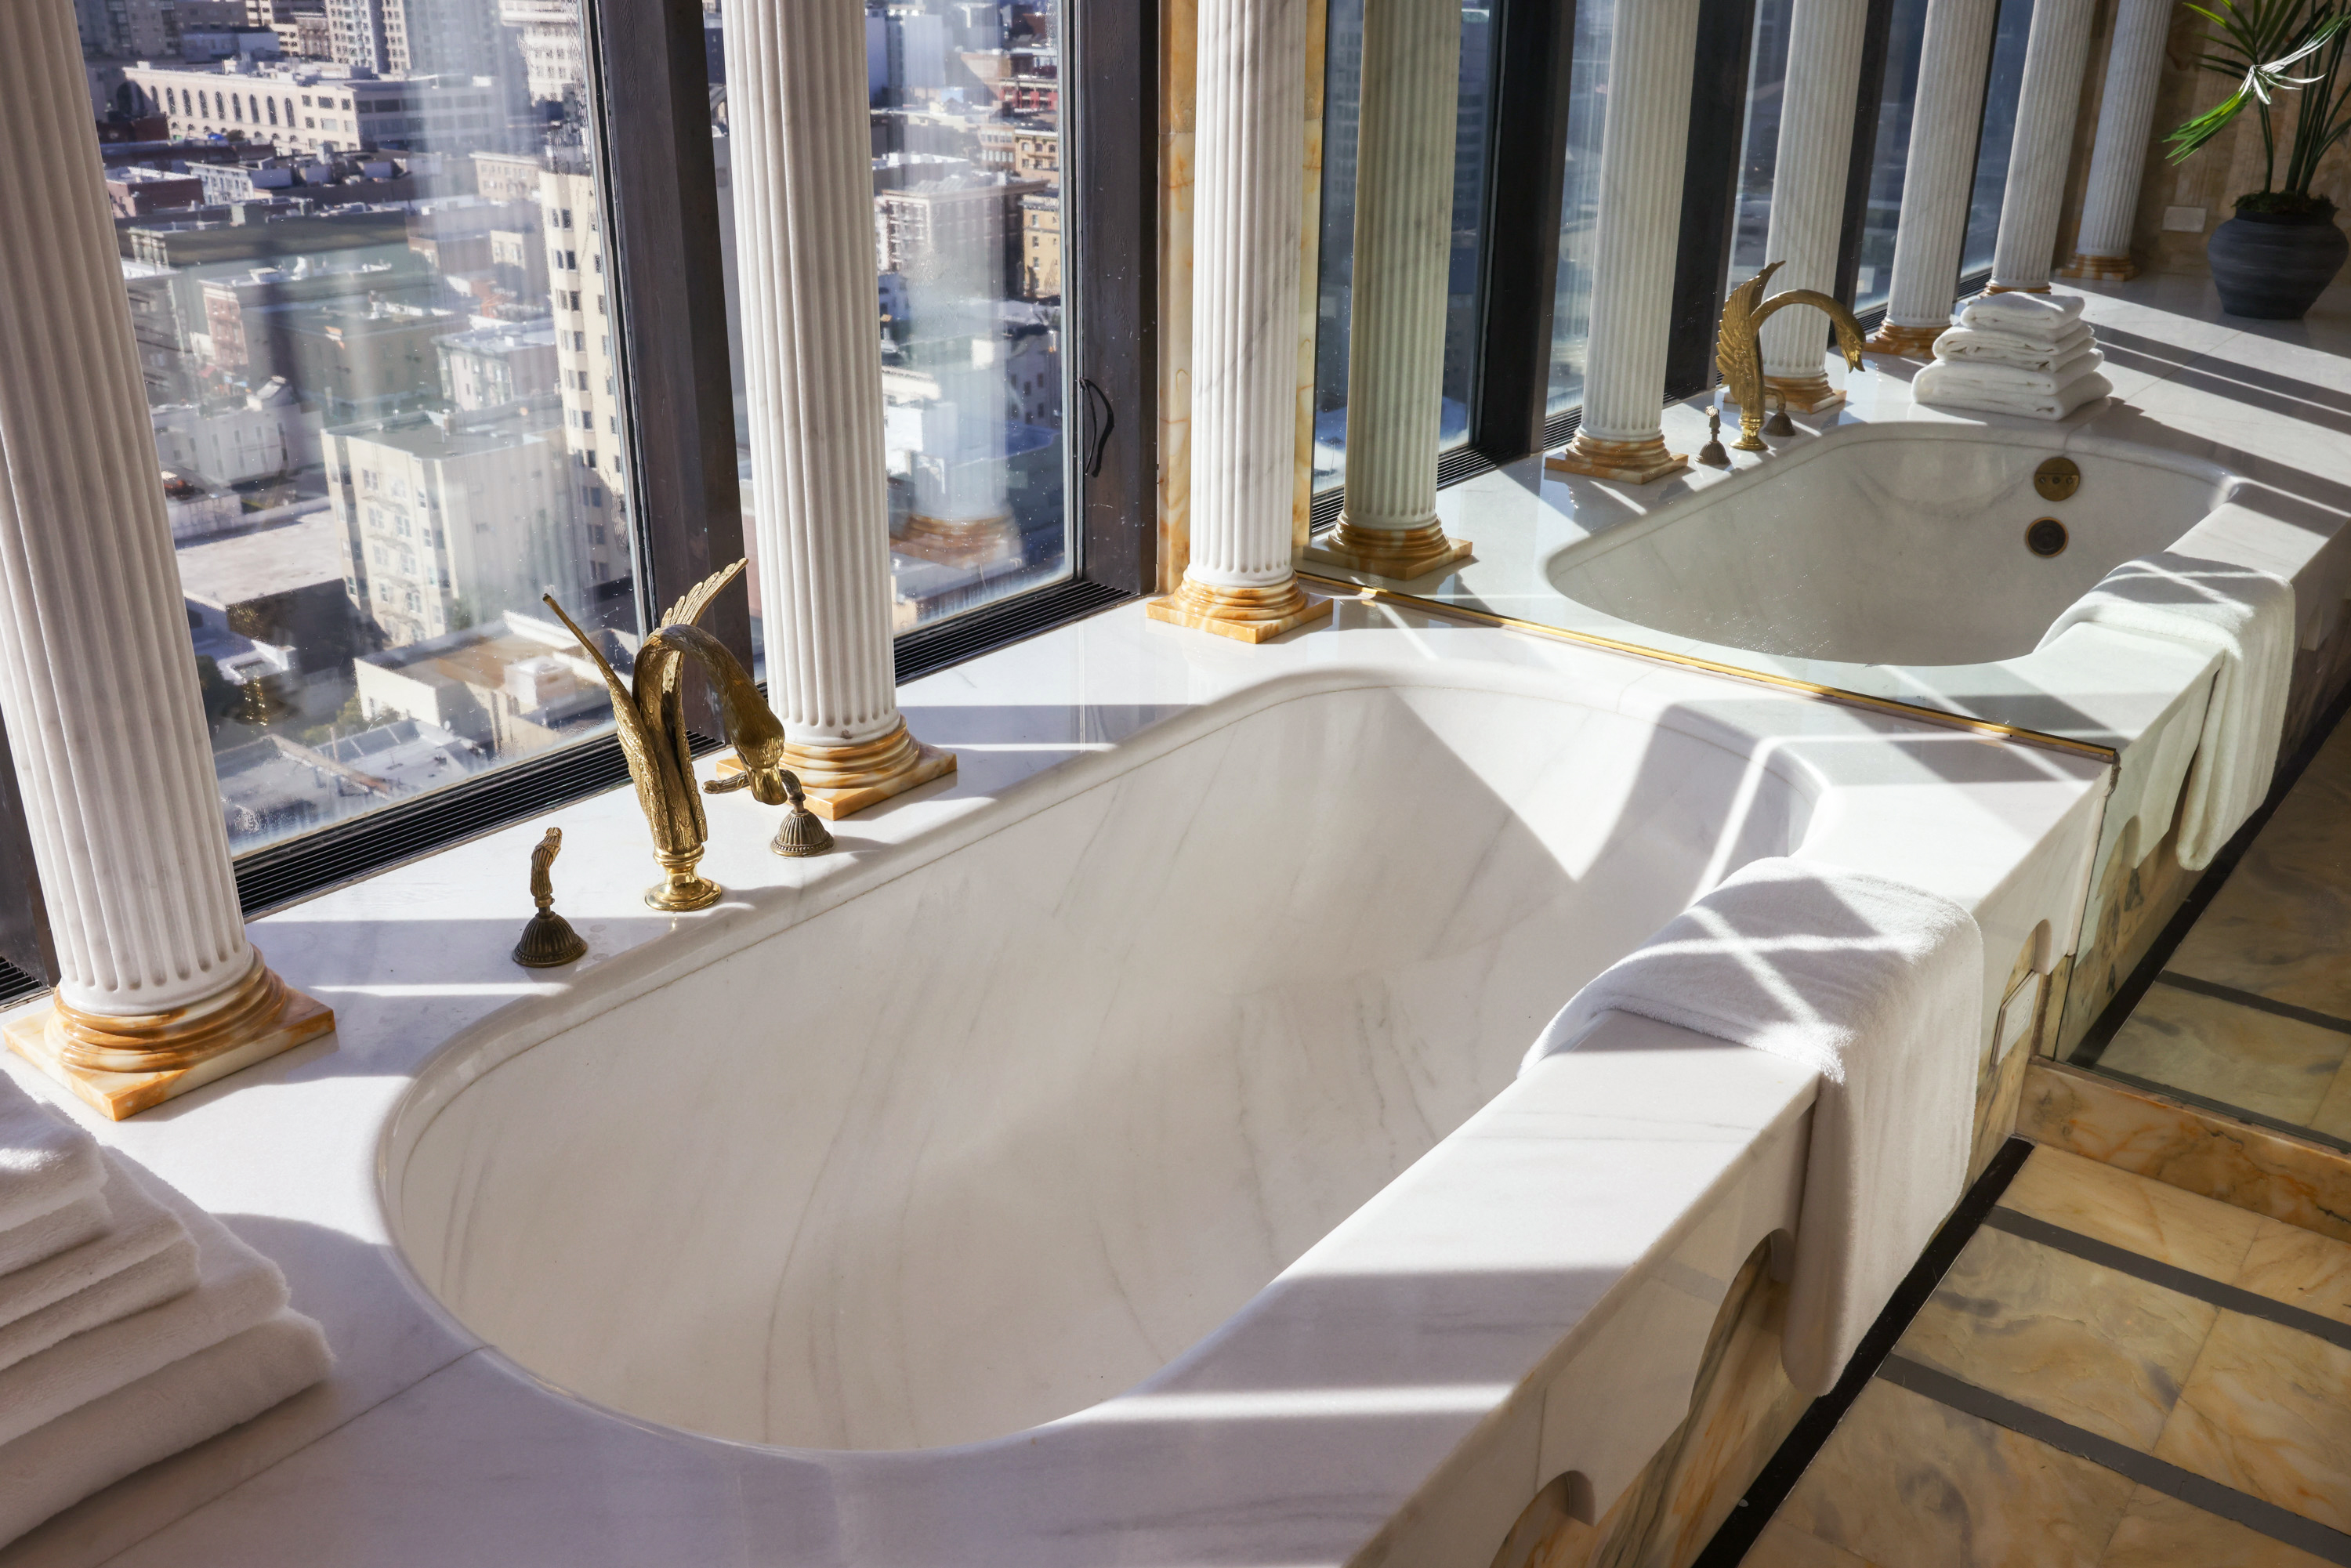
1971,344
1879,987
236,1288
2245,616
2040,313
92,1446
1948,386
144,1259
45,1162
53,1232
2014,380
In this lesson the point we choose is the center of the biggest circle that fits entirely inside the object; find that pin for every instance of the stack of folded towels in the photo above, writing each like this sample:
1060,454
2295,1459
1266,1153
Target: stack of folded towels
2016,353
132,1324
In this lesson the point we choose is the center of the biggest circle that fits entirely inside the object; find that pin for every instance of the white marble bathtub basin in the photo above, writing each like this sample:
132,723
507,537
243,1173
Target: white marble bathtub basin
998,1139
1894,545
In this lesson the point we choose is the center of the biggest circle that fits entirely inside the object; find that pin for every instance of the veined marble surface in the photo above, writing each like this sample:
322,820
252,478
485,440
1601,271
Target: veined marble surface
1403,1383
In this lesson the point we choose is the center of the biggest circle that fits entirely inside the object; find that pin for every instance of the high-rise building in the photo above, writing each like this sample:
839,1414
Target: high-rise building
554,60
586,368
419,38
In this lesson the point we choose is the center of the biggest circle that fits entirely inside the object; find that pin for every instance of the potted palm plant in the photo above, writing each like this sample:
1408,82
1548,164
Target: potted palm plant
2282,248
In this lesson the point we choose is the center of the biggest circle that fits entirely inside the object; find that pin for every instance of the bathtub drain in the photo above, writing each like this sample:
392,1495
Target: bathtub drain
2046,538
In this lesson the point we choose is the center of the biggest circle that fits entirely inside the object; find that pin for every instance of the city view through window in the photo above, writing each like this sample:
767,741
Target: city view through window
377,323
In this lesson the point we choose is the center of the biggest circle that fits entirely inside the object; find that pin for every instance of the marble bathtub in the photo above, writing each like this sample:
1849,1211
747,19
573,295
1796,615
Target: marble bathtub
923,1203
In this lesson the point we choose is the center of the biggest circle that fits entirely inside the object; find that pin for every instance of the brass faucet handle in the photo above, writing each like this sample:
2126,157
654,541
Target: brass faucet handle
728,784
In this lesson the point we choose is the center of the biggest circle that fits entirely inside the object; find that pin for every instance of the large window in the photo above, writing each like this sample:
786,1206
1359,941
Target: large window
1579,208
1759,142
1889,156
1999,130
375,314
1341,107
968,210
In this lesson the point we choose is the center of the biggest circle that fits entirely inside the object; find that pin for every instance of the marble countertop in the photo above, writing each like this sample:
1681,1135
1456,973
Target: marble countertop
429,1445
2269,402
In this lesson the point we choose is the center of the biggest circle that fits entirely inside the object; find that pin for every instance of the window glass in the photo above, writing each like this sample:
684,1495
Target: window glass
1999,130
1579,210
1758,151
382,390
1905,37
965,100
1342,109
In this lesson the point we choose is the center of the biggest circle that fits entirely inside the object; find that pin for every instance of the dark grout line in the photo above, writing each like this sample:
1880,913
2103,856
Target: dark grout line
2253,999
2266,1518
2171,1276
1786,1467
2195,1101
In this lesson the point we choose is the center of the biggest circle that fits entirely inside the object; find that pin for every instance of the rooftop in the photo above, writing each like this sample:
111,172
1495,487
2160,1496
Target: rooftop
243,567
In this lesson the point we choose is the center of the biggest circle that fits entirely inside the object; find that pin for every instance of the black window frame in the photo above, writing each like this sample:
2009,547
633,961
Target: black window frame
649,98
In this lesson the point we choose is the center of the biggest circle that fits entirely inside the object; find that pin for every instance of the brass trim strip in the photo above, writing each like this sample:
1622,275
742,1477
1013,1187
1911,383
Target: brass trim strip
2022,737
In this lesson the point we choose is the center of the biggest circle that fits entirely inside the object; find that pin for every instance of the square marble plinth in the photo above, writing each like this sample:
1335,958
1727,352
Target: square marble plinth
121,1094
931,762
1173,612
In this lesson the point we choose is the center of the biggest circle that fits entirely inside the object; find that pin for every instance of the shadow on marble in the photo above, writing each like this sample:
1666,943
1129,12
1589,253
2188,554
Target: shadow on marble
2238,1164
2267,1410
1782,1545
2140,1215
2161,1532
2259,1061
2087,1344
1905,1480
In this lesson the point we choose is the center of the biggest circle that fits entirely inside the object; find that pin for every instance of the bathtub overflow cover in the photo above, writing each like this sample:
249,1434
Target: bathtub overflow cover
2046,538
2057,479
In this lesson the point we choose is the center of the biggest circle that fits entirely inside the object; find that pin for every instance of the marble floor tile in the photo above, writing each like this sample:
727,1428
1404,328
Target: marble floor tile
1907,1481
2267,1410
2333,1116
2240,1056
2300,1269
2068,1337
2201,1234
1782,1545
2281,926
2160,1531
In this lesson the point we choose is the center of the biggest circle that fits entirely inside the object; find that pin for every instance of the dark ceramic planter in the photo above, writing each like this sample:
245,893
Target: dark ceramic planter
2274,267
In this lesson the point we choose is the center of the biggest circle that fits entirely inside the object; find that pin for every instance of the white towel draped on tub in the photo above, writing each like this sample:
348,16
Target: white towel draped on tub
2246,616
1879,987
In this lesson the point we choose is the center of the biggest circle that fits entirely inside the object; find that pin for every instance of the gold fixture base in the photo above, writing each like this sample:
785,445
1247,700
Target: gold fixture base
841,780
1641,462
1897,342
162,1055
1806,394
682,889
1402,554
1244,614
2016,288
2100,269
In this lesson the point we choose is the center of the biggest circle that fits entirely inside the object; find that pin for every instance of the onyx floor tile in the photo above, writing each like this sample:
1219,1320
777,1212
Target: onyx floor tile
2300,1269
2333,1116
1905,1482
2070,1338
2160,1531
2241,1056
2199,1234
2267,1410
1782,1545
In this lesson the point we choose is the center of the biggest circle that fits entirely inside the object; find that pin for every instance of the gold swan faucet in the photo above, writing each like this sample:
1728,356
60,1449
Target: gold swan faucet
1739,352
651,717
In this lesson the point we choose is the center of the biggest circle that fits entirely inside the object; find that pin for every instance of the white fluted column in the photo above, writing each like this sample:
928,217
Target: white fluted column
2047,102
1248,184
1937,176
1404,248
1642,145
1808,181
2125,119
97,681
812,373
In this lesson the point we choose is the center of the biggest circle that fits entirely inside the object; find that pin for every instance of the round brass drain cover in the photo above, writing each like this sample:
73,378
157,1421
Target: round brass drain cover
2057,479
